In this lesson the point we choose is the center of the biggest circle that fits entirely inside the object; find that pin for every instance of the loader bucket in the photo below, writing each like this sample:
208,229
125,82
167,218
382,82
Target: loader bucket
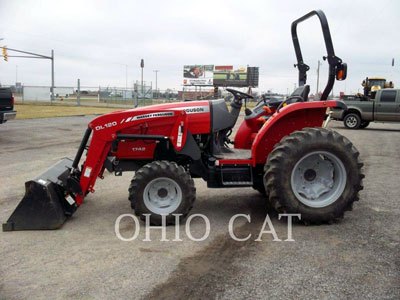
44,205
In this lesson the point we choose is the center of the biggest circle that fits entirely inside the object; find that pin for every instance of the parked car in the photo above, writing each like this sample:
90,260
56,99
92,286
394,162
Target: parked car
7,111
384,108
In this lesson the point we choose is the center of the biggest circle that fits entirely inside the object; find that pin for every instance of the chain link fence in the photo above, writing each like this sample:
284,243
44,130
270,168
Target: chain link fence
136,96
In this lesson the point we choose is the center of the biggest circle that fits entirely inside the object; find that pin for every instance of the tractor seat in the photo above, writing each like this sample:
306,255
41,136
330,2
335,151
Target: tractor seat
302,92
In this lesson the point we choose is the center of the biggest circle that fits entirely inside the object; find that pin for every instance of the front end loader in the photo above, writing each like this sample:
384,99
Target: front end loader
279,149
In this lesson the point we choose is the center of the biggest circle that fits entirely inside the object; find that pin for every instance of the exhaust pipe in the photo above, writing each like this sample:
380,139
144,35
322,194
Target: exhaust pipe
46,204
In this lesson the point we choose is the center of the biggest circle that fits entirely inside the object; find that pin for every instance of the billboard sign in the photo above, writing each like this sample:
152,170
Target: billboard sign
198,75
230,76
227,75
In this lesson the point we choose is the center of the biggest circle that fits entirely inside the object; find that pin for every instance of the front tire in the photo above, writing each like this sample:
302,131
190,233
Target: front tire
162,188
352,121
315,172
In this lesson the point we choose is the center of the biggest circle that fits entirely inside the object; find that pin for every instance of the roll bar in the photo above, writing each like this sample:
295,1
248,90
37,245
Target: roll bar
336,67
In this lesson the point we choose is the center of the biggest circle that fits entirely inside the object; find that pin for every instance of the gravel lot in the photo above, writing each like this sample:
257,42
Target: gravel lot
358,258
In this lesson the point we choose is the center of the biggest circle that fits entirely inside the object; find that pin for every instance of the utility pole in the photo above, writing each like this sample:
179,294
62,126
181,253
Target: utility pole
52,75
391,73
126,77
16,74
142,67
78,93
319,63
156,71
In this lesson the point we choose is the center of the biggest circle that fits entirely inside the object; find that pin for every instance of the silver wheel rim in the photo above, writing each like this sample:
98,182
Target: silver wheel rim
162,195
351,122
318,179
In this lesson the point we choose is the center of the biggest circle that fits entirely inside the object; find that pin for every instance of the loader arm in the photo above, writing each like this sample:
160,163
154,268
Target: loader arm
106,130
56,193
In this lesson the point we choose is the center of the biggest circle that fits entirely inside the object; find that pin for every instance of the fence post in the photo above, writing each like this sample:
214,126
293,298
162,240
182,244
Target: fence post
78,96
136,99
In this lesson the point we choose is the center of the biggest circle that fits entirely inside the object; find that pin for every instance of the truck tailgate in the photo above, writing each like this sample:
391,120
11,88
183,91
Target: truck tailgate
6,102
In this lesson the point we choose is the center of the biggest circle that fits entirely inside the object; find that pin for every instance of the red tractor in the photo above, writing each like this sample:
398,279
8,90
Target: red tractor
280,149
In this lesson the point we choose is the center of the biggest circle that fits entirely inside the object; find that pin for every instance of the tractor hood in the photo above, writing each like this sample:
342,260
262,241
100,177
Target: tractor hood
198,113
191,107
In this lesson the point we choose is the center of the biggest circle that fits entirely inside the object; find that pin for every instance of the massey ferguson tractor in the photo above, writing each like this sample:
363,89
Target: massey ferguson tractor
280,149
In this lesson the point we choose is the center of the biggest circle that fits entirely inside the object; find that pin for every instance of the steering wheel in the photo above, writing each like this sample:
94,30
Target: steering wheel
290,98
265,100
239,95
262,100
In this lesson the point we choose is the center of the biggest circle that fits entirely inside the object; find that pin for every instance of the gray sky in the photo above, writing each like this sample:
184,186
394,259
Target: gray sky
94,40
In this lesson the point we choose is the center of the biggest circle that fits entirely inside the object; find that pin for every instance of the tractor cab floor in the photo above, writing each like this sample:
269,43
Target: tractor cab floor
235,154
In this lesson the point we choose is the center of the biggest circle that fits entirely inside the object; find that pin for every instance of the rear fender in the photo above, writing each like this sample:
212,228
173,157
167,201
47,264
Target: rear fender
290,118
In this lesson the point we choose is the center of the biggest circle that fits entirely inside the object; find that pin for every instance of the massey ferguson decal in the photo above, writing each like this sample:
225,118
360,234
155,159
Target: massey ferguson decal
153,115
148,116
194,109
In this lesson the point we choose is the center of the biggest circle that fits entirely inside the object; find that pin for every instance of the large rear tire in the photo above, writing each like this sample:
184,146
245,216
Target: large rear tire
162,188
314,172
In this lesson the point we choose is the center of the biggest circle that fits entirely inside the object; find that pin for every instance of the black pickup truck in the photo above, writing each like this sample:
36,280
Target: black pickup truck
7,111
